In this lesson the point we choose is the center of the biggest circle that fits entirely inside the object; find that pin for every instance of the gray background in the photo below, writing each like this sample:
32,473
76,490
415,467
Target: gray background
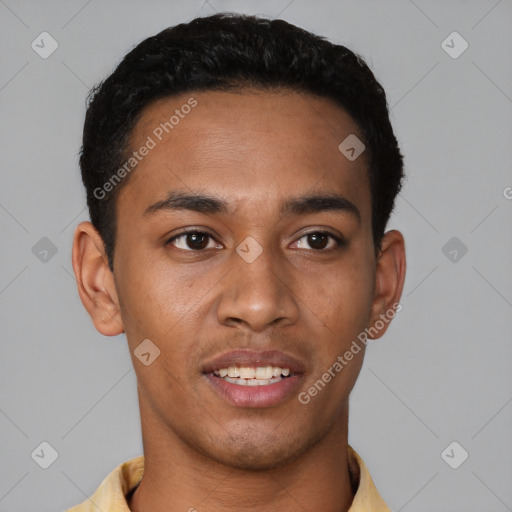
441,373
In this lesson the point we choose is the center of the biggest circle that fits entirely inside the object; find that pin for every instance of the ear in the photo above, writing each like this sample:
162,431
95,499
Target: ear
389,283
95,281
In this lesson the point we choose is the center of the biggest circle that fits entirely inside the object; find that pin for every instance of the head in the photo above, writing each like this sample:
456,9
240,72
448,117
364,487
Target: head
229,127
232,53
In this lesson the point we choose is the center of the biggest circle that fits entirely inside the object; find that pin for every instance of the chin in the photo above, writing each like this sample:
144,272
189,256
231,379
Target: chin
256,452
253,459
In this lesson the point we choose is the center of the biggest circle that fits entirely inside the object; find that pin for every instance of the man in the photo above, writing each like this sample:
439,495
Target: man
240,173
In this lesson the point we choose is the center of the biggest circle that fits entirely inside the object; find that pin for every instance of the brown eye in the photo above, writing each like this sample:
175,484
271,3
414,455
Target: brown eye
319,241
196,240
191,241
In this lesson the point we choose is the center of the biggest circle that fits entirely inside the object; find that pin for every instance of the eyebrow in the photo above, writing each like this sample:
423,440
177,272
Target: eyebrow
210,205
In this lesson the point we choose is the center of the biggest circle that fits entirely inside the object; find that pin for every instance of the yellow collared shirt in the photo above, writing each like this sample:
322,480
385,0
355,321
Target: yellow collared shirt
111,494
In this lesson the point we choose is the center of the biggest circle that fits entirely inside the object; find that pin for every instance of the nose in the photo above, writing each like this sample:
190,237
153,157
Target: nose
257,295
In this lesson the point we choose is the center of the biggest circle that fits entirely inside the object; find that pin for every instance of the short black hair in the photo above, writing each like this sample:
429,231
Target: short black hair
229,51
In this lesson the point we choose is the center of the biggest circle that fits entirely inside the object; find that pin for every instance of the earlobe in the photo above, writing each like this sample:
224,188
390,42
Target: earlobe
95,281
389,283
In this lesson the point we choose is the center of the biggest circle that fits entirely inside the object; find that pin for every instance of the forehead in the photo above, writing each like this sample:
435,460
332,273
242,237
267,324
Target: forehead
249,147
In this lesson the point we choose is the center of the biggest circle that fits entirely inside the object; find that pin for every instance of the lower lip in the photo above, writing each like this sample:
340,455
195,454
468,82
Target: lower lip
268,395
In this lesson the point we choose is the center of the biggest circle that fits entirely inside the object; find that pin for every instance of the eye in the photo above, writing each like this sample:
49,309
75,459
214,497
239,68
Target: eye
318,240
199,240
191,241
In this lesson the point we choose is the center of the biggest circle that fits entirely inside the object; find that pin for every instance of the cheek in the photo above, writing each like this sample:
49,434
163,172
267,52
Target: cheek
166,307
340,298
153,296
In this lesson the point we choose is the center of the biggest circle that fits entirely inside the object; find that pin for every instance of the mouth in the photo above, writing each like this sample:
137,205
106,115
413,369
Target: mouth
254,379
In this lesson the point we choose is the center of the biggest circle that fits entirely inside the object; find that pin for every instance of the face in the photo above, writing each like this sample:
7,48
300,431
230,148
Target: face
259,271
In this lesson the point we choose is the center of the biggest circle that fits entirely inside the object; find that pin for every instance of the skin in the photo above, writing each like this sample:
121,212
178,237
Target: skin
253,149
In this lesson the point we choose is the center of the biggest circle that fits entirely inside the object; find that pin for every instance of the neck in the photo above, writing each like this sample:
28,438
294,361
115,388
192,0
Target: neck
179,478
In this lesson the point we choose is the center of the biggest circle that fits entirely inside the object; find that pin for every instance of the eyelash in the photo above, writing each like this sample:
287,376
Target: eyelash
338,241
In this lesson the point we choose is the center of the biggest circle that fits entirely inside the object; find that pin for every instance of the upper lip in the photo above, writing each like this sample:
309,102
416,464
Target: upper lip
250,358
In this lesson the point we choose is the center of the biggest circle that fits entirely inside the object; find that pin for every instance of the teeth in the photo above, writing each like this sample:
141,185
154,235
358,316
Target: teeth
252,382
247,373
233,371
264,372
240,382
251,376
